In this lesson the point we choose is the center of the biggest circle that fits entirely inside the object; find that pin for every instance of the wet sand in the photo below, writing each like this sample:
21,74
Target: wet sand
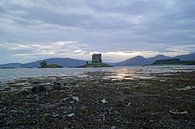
97,101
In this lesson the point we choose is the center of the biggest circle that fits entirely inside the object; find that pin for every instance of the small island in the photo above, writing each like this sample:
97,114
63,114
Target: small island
96,62
44,64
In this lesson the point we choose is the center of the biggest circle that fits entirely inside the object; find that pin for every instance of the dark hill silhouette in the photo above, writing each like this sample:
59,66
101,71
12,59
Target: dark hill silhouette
186,57
65,62
69,62
139,60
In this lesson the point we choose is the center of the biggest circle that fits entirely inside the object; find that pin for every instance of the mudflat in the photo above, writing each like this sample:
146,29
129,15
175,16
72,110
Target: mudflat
93,101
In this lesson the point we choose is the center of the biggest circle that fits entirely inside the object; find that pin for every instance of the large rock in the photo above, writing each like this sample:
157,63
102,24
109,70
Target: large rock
38,89
59,86
24,92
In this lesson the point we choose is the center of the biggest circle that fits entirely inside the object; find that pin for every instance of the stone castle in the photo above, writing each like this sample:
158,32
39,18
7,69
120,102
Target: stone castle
96,62
97,58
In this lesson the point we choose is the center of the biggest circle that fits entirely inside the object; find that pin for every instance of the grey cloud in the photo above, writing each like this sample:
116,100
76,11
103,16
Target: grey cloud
150,25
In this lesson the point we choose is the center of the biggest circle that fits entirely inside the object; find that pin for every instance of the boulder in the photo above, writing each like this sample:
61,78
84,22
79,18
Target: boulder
58,86
24,92
38,89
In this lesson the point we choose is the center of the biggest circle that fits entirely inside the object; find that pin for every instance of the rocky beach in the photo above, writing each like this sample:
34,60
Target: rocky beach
99,100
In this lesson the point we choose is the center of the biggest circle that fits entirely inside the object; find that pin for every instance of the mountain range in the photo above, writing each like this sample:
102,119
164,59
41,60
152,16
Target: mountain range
140,60
69,62
65,62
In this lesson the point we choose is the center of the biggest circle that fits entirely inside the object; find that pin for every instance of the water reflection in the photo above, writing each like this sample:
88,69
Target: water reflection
121,74
128,74
146,72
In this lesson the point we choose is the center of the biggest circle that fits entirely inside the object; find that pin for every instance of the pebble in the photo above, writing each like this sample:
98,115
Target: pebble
75,98
104,101
71,115
113,127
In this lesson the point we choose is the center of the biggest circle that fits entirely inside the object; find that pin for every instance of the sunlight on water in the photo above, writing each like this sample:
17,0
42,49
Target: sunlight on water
120,74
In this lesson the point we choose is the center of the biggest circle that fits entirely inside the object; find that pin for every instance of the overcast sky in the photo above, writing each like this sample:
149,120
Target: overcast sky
119,29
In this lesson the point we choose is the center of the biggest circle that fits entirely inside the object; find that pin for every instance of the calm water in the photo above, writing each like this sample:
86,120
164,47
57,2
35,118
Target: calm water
118,72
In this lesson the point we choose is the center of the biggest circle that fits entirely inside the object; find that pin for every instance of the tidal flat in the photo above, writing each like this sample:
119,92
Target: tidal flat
100,100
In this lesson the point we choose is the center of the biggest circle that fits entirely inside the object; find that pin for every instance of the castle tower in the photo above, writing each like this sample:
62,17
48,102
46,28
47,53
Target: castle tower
97,58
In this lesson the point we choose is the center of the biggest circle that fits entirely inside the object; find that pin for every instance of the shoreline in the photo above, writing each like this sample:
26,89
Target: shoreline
91,101
9,75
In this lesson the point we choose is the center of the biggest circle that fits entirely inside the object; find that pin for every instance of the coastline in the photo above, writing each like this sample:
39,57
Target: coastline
91,101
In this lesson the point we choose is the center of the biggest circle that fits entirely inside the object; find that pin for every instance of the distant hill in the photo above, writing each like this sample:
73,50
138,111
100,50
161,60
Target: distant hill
69,62
139,60
153,59
174,62
65,62
11,65
186,57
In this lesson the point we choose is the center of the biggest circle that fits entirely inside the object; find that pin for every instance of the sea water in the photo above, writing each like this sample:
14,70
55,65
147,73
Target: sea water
144,71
